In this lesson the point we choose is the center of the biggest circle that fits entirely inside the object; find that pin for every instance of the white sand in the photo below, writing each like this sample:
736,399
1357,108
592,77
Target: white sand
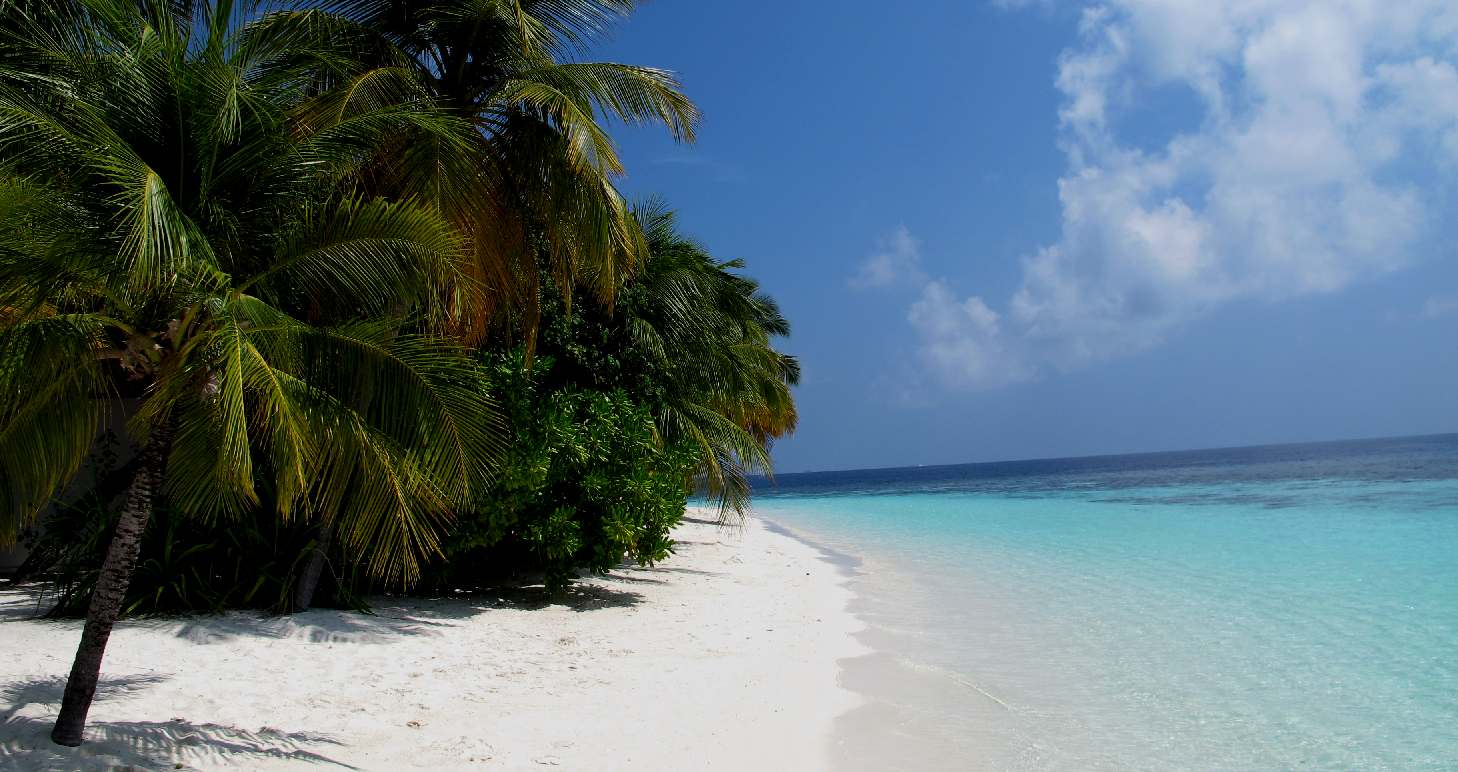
724,657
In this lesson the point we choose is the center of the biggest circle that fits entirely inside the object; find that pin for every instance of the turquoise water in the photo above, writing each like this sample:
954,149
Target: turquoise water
1266,608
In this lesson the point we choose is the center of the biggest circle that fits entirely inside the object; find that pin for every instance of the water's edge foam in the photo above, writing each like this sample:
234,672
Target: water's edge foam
889,683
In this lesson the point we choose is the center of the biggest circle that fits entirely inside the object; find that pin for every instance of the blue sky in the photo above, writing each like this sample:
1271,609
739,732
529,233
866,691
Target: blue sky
1025,229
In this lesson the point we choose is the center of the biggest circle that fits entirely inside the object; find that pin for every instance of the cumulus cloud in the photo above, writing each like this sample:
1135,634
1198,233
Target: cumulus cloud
962,338
897,260
1295,176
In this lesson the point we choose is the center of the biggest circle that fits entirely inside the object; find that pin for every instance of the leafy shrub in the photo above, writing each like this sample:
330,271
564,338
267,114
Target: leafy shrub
585,482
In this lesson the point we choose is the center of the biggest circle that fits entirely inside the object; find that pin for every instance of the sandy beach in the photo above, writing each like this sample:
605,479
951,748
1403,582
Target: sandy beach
723,657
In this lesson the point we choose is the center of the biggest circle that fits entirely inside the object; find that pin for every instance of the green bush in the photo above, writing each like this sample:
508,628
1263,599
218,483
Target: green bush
585,483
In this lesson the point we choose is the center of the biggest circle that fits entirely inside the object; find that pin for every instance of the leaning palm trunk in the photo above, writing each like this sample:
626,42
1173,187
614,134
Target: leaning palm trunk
309,580
111,589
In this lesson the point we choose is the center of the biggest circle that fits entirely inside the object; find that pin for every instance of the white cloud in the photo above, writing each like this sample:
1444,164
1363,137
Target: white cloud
1296,177
962,339
897,261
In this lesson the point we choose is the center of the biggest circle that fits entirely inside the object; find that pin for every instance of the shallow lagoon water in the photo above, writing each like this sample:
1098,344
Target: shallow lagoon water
1260,608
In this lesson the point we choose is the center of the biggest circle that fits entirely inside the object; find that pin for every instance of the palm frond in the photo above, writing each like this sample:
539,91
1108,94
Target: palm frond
52,402
365,257
628,93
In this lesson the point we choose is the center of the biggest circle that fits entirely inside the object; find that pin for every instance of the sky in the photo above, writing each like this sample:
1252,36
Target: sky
1007,229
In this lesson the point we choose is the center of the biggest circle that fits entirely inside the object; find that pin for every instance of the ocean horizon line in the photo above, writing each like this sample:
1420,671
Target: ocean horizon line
762,479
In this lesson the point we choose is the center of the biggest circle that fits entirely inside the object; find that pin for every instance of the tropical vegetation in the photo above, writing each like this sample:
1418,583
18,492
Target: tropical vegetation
291,286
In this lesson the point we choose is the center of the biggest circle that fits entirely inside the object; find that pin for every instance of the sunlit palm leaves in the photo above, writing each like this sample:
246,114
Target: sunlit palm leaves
537,175
175,241
711,333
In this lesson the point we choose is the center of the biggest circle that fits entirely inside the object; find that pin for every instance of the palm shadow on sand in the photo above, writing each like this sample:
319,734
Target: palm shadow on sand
392,617
25,738
388,619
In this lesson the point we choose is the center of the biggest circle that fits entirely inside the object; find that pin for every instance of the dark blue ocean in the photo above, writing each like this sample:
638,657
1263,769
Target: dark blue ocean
1276,607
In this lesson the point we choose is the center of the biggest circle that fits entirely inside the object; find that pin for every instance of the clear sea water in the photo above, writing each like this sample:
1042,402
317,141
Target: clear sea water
1283,607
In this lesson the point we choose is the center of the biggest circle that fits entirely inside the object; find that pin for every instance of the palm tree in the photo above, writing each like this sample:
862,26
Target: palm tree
536,178
539,174
708,333
177,246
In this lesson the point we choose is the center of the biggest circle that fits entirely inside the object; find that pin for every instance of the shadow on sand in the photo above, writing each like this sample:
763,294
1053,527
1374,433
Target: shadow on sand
392,617
577,597
30,707
388,619
19,602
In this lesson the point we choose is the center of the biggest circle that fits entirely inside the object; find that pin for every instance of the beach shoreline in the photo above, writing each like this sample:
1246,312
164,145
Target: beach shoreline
899,697
726,656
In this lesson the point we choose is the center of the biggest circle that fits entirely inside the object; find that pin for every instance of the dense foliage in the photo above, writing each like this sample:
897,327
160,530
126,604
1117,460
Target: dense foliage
533,184
188,564
586,480
313,266
184,259
677,388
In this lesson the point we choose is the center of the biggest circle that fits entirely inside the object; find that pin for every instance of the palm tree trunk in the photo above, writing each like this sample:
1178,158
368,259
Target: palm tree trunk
111,588
309,580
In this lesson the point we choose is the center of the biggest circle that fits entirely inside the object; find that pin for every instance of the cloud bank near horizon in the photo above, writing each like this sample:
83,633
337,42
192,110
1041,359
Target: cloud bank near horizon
1312,163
